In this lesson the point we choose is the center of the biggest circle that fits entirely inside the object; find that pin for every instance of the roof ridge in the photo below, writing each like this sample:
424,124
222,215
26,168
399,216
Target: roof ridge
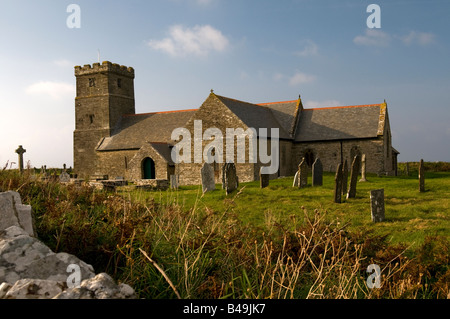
161,112
280,102
341,107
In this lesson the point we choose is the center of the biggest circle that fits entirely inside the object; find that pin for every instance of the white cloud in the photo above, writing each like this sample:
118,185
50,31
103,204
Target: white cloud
310,49
373,37
301,78
420,38
55,90
199,40
327,103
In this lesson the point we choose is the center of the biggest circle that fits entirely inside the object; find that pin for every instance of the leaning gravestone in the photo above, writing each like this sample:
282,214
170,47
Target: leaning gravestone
263,179
317,173
230,180
338,184
208,181
354,177
295,182
421,177
302,173
344,178
363,169
377,205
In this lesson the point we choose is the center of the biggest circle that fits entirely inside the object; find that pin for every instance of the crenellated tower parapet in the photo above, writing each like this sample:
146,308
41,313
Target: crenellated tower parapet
106,66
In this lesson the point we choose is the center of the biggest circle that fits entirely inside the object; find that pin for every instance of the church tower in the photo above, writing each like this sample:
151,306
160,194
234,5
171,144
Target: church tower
105,92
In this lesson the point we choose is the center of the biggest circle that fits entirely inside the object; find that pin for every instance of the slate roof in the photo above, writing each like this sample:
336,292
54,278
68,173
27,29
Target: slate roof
294,123
132,131
256,116
338,123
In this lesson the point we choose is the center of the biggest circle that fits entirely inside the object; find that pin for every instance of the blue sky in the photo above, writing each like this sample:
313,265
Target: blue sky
252,50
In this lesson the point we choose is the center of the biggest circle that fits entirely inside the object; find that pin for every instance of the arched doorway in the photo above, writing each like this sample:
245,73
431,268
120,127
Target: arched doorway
148,168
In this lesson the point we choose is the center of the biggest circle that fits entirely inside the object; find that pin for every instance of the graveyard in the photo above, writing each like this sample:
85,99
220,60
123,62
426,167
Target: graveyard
278,238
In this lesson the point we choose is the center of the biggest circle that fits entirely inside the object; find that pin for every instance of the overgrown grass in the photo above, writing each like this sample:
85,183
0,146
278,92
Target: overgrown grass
278,242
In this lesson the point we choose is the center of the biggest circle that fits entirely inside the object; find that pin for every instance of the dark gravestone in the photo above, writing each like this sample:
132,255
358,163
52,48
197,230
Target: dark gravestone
302,173
263,179
345,178
354,176
208,182
231,180
377,205
338,184
317,173
421,176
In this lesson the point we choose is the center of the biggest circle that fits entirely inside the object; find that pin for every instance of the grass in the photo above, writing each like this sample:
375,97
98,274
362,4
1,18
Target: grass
410,215
278,242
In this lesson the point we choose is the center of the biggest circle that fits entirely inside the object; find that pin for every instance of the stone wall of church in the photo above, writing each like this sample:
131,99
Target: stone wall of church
114,163
329,153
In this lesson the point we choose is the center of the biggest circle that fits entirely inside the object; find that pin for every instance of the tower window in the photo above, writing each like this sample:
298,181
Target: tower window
119,83
91,82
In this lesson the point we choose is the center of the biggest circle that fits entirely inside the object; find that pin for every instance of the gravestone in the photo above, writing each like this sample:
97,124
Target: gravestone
317,173
263,179
20,151
421,177
173,181
295,182
231,180
354,176
377,205
363,169
64,177
407,168
344,178
338,184
302,173
208,182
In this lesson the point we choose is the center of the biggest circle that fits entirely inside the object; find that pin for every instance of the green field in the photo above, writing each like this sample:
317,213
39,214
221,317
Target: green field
410,216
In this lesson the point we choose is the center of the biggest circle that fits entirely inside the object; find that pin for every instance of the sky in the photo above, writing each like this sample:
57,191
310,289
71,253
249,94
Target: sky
252,50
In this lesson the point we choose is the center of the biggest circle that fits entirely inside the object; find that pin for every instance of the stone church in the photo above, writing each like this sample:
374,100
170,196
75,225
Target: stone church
111,140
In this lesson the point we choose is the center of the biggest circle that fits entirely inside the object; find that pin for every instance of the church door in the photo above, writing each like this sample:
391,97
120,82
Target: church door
148,166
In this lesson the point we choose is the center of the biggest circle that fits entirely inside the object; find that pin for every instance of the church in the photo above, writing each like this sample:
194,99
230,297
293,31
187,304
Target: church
111,140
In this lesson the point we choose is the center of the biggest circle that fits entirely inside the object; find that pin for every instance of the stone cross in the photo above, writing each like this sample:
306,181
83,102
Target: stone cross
231,180
263,179
354,176
64,167
377,205
302,173
338,184
421,177
363,169
317,173
344,178
208,182
20,151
